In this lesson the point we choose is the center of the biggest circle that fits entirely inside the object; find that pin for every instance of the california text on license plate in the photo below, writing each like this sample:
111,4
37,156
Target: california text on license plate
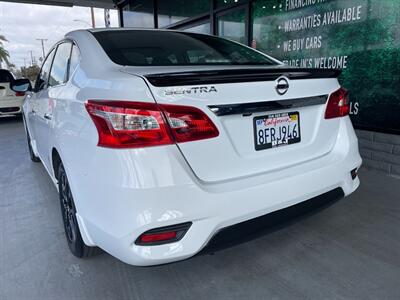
276,130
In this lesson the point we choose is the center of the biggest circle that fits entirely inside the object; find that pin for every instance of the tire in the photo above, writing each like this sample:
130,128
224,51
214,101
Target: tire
32,155
68,211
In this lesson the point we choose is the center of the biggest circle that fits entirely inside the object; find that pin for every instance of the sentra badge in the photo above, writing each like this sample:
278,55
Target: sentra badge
192,90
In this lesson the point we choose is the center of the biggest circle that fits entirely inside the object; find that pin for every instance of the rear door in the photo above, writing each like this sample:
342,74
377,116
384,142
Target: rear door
34,99
46,99
243,107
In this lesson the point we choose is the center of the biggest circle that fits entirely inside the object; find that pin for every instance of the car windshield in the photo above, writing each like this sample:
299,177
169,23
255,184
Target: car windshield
168,48
5,76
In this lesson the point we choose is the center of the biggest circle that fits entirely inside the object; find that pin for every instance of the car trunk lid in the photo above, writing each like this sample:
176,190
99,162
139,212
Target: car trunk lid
234,99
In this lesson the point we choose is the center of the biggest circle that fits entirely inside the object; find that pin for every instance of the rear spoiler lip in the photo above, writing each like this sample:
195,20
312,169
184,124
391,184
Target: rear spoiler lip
237,75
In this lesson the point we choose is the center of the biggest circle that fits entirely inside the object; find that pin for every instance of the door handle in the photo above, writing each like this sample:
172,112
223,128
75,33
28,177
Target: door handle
47,116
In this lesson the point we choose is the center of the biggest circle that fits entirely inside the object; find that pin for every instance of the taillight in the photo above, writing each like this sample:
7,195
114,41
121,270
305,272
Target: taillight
189,123
338,104
128,124
19,94
123,124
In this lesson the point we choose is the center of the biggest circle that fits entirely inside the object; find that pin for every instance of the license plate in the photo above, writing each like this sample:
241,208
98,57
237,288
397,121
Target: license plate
276,130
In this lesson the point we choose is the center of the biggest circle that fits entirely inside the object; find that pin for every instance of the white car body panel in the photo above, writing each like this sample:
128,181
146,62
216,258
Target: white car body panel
121,193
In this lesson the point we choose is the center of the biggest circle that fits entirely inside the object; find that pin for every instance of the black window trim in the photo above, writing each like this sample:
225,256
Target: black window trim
55,48
66,78
69,73
41,68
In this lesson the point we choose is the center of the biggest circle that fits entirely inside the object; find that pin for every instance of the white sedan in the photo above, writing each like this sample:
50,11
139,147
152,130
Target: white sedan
10,100
157,139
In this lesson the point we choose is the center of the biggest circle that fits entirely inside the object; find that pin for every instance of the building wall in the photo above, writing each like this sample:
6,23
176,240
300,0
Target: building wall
380,151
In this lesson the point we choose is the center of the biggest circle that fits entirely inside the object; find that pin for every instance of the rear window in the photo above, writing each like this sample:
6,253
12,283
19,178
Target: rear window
166,48
6,76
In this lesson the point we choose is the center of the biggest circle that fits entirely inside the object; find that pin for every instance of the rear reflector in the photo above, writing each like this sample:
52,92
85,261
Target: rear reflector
19,94
163,235
157,237
123,124
338,104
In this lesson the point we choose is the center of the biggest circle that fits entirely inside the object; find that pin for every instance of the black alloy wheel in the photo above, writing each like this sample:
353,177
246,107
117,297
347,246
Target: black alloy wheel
68,212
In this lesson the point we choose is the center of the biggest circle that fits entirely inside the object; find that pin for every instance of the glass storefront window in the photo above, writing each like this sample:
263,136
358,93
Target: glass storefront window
361,37
200,28
139,13
173,11
232,26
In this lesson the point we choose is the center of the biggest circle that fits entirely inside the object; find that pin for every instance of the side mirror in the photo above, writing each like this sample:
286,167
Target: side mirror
21,85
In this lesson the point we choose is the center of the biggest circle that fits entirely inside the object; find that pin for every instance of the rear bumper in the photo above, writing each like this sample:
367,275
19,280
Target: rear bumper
134,197
11,105
258,226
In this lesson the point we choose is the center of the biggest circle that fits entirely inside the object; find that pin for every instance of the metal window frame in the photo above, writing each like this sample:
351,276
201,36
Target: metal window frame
210,16
242,6
197,23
